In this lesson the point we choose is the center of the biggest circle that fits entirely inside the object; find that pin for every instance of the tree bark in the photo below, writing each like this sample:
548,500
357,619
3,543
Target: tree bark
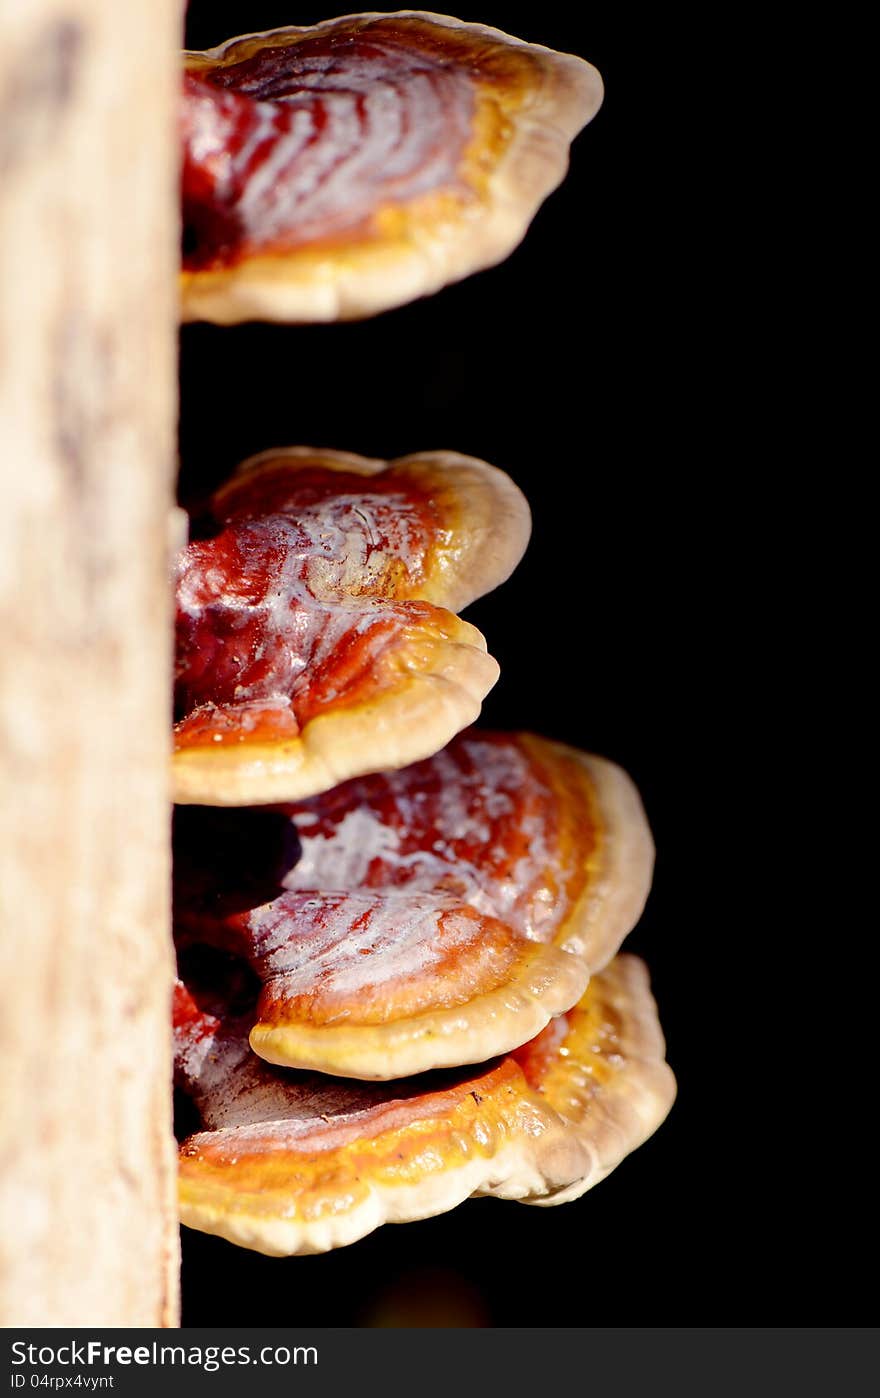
88,259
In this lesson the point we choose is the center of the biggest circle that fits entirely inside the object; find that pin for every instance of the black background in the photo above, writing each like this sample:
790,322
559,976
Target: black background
587,367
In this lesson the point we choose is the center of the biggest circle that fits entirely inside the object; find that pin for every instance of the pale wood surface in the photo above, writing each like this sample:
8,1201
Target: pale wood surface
88,258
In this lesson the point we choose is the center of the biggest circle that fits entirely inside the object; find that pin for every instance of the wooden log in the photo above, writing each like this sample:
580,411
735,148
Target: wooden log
88,258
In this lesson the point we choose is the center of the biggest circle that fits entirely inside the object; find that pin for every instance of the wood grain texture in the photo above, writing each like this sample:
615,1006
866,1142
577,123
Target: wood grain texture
88,261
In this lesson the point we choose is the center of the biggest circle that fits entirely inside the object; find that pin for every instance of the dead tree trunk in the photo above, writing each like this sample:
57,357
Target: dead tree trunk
88,255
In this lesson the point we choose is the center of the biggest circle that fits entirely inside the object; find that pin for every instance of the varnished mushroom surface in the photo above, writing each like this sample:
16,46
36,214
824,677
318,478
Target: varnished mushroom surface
440,914
315,632
337,170
295,1163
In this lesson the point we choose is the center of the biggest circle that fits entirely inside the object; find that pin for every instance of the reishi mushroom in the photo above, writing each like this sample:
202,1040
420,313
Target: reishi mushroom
289,1162
316,637
411,898
440,914
335,171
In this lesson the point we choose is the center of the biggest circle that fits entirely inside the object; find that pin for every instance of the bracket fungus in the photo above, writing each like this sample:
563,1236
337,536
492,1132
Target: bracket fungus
441,914
411,898
289,1162
335,171
316,637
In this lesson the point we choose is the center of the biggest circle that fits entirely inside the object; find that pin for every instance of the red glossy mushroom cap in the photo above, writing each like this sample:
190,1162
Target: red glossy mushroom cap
335,171
440,914
315,633
290,1162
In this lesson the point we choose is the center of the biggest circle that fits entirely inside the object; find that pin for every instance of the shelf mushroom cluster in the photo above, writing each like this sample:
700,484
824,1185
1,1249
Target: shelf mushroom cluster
399,980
